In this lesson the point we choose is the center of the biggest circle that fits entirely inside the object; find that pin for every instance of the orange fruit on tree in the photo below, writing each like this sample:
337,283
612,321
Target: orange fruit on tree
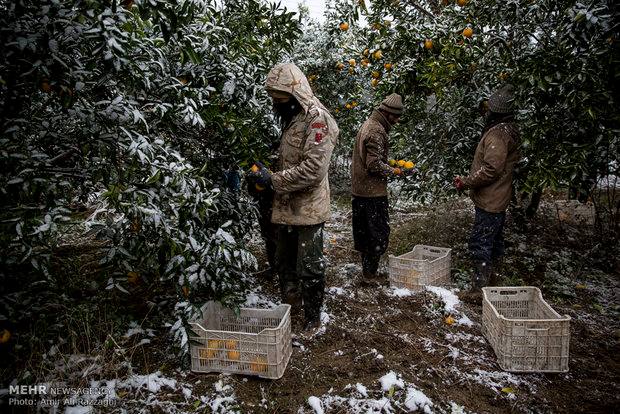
468,32
352,62
409,165
397,171
339,65
401,163
461,3
376,26
392,162
378,54
353,104
46,87
428,44
366,52
364,62
254,168
348,106
374,82
344,26
388,66
5,335
133,277
375,74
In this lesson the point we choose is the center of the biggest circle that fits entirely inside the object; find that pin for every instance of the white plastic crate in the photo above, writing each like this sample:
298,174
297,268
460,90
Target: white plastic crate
423,266
526,334
256,342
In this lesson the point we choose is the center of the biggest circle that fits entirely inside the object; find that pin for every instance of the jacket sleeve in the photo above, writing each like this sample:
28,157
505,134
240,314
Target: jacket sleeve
320,141
374,156
493,162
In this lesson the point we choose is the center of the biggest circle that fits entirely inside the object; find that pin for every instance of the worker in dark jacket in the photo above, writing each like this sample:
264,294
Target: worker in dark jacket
490,185
369,176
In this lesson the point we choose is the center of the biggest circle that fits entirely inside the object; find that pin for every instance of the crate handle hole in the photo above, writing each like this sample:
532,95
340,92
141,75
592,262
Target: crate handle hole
507,292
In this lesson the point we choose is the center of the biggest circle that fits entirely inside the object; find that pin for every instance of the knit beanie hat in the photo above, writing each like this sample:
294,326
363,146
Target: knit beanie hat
502,100
392,104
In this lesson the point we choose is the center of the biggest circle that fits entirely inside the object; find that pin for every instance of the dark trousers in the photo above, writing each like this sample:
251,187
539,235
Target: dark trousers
486,242
301,267
371,230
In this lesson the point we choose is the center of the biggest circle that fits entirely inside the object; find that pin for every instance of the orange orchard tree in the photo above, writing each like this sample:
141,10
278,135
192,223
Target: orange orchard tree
560,55
138,109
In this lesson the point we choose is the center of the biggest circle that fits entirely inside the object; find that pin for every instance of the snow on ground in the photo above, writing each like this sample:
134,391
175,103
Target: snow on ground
394,395
451,301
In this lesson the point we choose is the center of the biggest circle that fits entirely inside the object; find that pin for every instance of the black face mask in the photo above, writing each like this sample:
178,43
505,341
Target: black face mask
287,110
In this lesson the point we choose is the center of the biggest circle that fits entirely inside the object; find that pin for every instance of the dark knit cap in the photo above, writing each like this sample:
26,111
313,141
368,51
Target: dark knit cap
392,104
502,101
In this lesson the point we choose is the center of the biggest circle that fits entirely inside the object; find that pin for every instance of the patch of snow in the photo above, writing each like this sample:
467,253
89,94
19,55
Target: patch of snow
336,291
361,389
417,400
390,380
79,409
255,300
456,409
449,299
338,353
400,292
152,382
135,329
316,405
464,320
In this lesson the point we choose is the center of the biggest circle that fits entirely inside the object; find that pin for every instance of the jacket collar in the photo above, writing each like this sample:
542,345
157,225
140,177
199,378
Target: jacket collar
380,118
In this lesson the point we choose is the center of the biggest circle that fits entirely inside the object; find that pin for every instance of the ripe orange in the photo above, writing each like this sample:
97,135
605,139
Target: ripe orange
232,344
344,26
353,104
366,52
348,106
259,364
376,26
428,44
449,320
339,65
351,71
409,165
46,87
352,62
468,32
375,74
398,171
378,54
133,277
401,163
213,348
254,168
374,82
364,62
461,3
234,355
388,66
5,335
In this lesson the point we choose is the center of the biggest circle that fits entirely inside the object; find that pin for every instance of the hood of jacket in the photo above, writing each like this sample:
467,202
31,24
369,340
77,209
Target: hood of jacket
287,77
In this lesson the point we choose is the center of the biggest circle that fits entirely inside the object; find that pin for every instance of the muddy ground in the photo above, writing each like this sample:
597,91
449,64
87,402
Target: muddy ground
369,332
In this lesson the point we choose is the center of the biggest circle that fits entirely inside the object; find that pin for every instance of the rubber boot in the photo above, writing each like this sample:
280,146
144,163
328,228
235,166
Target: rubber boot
313,293
479,279
370,265
495,271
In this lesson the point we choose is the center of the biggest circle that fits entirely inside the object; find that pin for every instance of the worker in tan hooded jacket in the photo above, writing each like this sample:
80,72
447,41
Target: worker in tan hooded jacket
302,199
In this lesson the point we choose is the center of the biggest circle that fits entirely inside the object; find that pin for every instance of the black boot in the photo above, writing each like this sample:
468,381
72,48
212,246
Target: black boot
495,273
370,265
313,292
479,279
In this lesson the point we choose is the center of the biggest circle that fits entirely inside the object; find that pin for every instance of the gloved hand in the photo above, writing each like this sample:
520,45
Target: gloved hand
459,184
260,176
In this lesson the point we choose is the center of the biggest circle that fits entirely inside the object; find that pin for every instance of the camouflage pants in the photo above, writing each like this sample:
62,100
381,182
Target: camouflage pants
486,242
301,267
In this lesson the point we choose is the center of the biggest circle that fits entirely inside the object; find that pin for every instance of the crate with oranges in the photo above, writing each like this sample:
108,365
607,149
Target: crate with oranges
252,342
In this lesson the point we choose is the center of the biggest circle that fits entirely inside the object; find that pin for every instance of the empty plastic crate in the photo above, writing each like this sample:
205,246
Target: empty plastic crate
424,265
526,334
255,342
